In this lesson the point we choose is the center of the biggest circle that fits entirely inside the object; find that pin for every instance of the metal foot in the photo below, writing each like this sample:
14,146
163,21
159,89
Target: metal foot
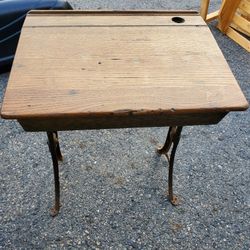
173,139
54,211
174,201
56,156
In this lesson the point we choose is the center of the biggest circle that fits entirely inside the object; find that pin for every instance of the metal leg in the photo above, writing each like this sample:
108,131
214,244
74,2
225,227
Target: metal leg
58,151
173,138
56,155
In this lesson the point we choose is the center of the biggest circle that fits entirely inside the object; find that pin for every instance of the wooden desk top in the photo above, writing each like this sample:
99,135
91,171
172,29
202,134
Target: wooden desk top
78,64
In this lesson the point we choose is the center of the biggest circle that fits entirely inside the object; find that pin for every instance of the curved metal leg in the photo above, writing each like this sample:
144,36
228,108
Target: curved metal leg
165,148
173,139
56,155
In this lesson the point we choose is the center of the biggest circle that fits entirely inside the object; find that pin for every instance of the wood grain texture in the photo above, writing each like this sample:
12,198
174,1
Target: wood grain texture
119,121
108,12
109,20
245,6
241,24
128,67
226,14
238,38
204,8
211,16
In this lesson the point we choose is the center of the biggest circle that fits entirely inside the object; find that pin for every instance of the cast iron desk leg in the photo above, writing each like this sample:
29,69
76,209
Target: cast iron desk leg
173,139
56,156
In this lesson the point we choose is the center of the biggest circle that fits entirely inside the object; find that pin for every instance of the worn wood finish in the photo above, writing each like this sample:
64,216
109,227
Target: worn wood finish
110,21
118,71
109,12
119,121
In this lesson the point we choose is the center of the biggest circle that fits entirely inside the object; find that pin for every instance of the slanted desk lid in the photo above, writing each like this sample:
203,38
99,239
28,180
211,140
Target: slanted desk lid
83,64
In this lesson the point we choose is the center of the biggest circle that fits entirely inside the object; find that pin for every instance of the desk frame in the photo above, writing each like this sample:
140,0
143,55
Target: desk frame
171,143
126,120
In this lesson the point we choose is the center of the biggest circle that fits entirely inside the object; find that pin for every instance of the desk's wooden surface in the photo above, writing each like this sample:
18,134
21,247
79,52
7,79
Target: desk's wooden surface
102,64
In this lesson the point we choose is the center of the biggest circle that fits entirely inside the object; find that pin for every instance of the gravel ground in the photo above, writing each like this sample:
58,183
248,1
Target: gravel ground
113,184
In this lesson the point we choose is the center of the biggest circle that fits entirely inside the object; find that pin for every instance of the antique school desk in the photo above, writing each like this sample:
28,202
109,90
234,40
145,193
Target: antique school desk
96,70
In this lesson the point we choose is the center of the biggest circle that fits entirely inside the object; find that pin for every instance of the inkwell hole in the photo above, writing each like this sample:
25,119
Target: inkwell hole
178,19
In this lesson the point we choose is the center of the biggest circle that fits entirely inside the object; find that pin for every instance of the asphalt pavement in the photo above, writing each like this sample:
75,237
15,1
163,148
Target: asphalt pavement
114,184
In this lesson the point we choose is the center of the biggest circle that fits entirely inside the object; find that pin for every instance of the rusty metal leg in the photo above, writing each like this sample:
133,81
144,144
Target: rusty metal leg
165,148
56,155
173,139
58,151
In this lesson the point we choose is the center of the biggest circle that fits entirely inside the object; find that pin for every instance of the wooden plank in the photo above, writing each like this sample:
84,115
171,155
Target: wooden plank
106,20
235,27
212,16
243,14
114,12
119,121
241,24
127,70
245,6
242,41
204,8
114,71
226,14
